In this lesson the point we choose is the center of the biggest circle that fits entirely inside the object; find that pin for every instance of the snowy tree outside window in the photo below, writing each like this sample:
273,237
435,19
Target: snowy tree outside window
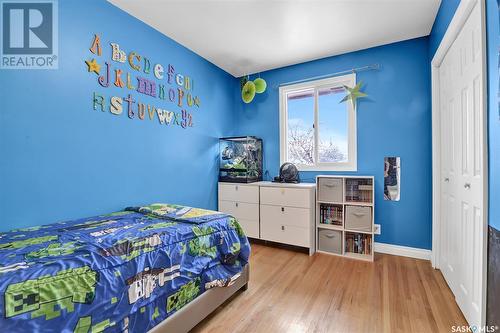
317,131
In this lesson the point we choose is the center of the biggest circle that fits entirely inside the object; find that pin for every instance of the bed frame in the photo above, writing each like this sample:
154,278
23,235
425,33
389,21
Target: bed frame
194,312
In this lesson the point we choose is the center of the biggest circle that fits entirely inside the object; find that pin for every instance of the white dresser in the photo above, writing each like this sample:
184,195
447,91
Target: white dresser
242,202
282,213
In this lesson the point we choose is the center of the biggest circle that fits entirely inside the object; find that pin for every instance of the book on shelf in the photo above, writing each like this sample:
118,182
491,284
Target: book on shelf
358,243
331,214
359,190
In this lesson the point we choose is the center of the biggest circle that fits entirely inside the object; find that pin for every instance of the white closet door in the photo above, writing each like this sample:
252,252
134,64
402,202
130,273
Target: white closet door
462,170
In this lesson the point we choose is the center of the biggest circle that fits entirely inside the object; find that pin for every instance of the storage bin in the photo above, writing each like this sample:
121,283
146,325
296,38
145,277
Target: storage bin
358,218
331,190
330,241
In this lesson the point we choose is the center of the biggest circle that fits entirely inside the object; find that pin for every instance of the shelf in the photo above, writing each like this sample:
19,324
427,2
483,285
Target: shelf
355,206
354,203
357,203
367,257
331,253
358,231
330,226
330,202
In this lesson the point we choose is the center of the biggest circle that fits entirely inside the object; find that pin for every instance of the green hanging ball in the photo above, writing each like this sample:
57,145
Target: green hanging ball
260,85
248,92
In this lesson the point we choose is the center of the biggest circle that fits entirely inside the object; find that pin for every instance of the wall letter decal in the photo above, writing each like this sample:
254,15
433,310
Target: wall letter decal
179,79
96,45
158,71
116,106
171,95
104,81
180,93
118,79
145,86
98,100
147,65
170,73
161,91
164,116
151,111
177,117
141,110
130,101
117,54
187,83
189,100
131,57
129,82
184,121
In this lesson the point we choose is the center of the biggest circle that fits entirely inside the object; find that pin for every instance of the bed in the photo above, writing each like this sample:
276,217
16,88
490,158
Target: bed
159,267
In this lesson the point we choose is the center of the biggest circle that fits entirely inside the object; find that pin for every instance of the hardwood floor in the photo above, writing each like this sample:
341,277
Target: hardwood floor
292,292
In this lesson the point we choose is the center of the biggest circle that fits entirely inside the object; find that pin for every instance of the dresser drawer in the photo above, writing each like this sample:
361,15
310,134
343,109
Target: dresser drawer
281,215
240,210
285,234
291,197
250,227
239,193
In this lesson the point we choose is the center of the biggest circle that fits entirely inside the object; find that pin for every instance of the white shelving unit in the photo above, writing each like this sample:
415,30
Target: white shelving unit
345,213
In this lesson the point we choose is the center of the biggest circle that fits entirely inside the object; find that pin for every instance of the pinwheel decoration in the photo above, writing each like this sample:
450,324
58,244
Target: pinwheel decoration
353,94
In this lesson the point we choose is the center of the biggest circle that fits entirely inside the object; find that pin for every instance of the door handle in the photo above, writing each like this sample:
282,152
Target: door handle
467,186
447,179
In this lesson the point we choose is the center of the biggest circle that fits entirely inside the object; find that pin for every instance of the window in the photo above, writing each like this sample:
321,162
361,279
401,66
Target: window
317,132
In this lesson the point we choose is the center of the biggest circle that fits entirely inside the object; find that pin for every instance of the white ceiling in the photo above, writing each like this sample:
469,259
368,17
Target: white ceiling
250,36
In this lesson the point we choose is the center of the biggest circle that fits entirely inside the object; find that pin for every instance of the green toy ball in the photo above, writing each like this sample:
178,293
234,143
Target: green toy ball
248,92
260,85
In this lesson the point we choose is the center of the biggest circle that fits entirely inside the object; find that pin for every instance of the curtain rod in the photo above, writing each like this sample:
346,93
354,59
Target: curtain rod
353,70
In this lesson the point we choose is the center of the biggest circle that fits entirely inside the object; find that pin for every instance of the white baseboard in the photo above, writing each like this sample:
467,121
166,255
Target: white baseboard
404,251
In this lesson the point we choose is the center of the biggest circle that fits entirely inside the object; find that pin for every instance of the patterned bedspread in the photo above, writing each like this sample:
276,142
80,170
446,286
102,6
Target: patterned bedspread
125,271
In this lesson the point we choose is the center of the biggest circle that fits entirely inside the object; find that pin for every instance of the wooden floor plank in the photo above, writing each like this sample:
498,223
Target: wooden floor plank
290,291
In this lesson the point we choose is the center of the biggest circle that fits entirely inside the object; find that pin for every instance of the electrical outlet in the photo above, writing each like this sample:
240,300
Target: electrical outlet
377,229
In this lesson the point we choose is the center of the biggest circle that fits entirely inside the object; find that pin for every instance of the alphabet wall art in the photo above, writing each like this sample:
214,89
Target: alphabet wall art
146,86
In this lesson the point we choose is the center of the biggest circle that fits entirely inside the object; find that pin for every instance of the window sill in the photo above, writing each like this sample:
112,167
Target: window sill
350,168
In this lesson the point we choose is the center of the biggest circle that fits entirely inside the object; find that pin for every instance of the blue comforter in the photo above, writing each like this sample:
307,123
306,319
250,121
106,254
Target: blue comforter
125,271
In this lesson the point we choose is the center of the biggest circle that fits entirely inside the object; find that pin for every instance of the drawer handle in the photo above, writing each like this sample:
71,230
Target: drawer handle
330,235
359,214
283,227
330,185
282,209
282,191
236,204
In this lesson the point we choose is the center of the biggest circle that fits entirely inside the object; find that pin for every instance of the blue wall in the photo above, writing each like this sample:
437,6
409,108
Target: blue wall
492,37
60,159
394,121
443,18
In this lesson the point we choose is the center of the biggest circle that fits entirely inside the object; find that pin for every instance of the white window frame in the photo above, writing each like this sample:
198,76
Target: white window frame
347,80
